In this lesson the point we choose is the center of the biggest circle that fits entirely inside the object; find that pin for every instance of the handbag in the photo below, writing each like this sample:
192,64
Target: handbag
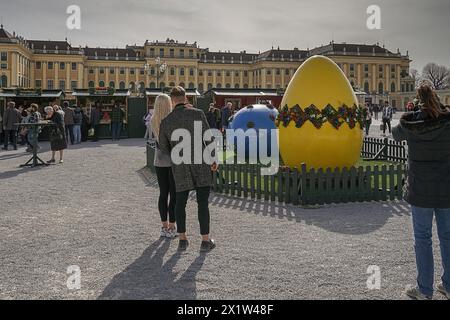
91,132
56,135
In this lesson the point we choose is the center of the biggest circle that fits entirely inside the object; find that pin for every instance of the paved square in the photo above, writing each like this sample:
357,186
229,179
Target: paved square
99,211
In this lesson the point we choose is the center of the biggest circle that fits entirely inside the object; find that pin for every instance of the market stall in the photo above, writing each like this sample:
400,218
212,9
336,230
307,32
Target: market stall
25,97
191,94
243,97
104,99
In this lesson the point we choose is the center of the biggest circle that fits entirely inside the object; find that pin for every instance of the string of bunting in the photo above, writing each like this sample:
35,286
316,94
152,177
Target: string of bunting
350,115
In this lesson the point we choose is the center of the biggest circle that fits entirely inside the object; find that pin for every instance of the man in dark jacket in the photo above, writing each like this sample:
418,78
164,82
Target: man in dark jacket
68,121
190,174
11,117
211,116
95,121
427,188
117,116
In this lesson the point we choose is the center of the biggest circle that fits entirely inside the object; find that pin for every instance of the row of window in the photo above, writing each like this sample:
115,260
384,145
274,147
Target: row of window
62,65
181,53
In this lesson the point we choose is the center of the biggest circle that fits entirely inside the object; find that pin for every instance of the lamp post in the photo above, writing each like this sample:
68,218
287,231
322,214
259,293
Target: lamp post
161,68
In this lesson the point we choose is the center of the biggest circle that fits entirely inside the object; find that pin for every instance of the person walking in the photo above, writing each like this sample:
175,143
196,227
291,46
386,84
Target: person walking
163,167
376,110
427,189
77,121
148,124
11,118
117,116
84,126
57,134
188,176
95,121
34,117
68,121
367,118
211,116
387,114
1,127
227,112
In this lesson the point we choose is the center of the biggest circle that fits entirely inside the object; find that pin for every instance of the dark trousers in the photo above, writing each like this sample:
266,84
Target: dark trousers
96,128
203,210
386,123
69,133
11,134
368,123
115,130
166,185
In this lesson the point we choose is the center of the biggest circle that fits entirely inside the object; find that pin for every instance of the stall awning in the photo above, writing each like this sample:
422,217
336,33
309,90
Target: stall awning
157,92
245,92
18,93
101,93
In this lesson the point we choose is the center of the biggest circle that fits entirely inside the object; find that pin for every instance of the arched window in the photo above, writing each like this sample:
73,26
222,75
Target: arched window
219,85
228,86
200,87
152,85
141,85
172,84
4,81
366,87
182,84
172,71
210,86
352,83
91,84
132,86
191,85
112,84
181,71
393,89
380,88
101,84
122,85
236,86
162,85
245,86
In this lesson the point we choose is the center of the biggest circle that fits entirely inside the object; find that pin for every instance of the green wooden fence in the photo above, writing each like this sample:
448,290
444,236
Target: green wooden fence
299,186
384,149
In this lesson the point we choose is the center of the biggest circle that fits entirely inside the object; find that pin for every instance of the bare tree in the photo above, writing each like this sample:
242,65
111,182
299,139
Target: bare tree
414,73
437,75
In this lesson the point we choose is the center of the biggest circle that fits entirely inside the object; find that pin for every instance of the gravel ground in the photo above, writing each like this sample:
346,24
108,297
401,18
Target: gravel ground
99,211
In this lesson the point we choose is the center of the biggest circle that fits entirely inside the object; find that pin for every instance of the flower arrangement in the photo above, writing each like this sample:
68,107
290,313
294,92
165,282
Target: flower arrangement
344,114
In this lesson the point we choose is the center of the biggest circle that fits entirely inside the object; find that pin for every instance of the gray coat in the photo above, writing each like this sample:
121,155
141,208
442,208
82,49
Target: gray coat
428,182
10,118
187,176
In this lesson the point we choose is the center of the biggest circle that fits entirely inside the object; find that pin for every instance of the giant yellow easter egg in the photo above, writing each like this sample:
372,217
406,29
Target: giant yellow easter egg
320,123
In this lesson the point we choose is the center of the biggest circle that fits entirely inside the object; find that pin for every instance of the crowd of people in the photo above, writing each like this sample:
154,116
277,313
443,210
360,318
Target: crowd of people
371,112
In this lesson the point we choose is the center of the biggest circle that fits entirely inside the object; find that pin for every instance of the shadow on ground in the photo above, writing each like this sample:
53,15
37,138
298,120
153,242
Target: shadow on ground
352,218
149,277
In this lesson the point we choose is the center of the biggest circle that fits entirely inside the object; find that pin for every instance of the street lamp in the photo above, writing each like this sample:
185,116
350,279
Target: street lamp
160,69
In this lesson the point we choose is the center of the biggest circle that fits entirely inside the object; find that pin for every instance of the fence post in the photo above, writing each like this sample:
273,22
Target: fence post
303,193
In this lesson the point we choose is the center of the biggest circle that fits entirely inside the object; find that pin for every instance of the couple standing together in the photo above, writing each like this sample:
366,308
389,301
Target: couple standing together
176,181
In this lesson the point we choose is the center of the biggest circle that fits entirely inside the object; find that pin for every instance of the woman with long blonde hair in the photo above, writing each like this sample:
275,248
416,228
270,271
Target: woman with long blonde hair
163,167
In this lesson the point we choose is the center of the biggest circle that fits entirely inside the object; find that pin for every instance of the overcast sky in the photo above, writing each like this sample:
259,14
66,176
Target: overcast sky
420,26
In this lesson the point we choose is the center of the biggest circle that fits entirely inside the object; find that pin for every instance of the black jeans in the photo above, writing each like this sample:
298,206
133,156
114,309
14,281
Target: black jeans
203,210
96,128
367,127
386,123
69,133
166,188
11,134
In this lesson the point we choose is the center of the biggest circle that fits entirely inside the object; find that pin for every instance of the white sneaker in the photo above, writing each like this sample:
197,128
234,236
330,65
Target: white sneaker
414,293
163,232
440,288
171,233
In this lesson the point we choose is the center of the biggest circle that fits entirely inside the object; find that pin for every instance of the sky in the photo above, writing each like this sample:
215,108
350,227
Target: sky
419,26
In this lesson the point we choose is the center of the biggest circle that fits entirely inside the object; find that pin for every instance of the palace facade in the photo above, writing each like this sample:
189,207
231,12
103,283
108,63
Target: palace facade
372,69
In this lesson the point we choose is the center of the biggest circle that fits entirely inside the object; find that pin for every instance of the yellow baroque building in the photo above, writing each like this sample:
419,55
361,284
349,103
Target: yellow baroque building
375,72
